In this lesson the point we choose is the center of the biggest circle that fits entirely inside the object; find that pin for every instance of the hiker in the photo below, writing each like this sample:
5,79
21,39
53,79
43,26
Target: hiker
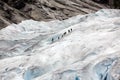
58,38
52,39
71,30
68,31
64,33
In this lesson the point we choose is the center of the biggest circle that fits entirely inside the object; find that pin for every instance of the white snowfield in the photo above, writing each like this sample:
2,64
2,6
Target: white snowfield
85,47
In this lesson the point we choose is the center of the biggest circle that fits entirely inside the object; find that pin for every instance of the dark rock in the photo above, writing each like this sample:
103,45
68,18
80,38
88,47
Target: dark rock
19,4
101,1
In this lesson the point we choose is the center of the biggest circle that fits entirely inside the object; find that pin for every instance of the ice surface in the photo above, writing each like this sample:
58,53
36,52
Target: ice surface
33,50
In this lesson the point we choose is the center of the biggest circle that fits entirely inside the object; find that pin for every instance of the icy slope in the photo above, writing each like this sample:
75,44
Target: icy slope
80,48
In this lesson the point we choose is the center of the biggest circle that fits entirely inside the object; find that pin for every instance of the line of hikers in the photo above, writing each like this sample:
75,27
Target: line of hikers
62,35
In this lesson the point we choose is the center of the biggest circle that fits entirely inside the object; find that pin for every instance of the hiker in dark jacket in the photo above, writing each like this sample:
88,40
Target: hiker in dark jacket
64,33
52,39
58,37
68,31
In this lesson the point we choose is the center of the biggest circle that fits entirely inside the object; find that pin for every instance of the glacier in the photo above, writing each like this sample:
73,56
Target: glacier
84,47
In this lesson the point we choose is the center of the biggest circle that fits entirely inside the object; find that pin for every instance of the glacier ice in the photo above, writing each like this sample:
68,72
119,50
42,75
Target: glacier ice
89,52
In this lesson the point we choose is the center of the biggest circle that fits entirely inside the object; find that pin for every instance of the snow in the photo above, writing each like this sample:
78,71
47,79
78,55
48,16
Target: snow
33,50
